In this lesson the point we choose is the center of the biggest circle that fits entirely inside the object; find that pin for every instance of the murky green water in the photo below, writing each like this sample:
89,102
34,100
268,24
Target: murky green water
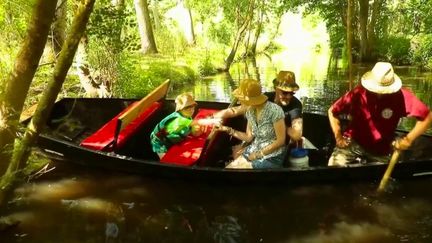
75,204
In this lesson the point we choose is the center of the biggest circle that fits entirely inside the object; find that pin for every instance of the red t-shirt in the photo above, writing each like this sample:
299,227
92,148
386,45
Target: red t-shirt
375,117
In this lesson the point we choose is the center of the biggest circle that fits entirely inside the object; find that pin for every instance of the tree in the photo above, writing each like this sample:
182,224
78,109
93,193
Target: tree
148,44
100,47
59,27
349,42
17,86
22,149
243,17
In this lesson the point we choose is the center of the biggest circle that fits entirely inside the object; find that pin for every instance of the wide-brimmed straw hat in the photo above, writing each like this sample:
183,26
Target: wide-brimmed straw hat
237,93
285,81
249,92
184,100
381,79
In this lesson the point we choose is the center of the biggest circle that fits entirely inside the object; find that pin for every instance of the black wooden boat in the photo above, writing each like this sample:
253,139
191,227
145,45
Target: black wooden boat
74,119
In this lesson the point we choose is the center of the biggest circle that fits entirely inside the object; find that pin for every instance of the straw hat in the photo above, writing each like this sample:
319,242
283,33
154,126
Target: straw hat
184,100
381,79
285,81
249,92
243,83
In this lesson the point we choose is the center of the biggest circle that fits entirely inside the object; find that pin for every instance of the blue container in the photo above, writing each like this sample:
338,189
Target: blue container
299,158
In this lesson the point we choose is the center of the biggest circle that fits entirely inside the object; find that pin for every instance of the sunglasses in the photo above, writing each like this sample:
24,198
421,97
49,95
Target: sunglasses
287,92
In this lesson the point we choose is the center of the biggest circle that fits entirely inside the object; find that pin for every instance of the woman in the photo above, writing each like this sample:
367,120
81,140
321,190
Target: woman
265,129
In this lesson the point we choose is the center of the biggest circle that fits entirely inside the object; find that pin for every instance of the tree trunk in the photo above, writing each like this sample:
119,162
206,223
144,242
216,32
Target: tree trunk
59,27
17,86
376,8
257,33
156,16
87,78
349,42
148,44
239,36
364,10
192,30
22,150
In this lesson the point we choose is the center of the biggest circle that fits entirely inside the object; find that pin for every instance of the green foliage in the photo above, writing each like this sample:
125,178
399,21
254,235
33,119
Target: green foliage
138,77
421,50
394,49
104,58
106,23
206,67
171,40
221,32
14,16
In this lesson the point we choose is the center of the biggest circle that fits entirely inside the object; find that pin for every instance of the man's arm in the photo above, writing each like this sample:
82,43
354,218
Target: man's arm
295,132
419,128
336,128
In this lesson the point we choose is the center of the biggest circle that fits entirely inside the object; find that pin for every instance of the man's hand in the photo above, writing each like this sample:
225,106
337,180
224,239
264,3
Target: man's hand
342,141
402,143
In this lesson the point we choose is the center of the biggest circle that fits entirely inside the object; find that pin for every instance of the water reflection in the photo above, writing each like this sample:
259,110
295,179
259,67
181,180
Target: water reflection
94,206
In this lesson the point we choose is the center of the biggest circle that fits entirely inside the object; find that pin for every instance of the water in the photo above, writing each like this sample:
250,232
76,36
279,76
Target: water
76,204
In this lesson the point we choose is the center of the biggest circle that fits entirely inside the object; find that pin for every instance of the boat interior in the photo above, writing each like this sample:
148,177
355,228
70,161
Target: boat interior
75,120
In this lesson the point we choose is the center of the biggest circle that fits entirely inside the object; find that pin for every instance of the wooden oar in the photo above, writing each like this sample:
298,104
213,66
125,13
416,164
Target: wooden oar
389,170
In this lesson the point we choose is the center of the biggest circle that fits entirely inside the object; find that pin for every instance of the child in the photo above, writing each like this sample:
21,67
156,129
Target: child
176,126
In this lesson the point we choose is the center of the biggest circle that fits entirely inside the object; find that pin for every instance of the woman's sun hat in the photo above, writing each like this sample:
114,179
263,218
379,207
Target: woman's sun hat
381,79
249,92
237,93
184,100
285,81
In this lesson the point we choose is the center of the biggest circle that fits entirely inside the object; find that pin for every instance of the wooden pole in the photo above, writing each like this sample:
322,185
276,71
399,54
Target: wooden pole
389,170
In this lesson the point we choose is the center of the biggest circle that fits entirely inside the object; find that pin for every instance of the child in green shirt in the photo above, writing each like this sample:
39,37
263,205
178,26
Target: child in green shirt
176,126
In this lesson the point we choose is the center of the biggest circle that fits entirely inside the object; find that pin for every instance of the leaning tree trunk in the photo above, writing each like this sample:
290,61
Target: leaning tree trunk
148,44
257,33
239,36
17,86
22,150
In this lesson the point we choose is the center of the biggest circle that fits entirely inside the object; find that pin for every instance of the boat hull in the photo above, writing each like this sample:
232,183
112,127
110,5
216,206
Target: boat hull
415,162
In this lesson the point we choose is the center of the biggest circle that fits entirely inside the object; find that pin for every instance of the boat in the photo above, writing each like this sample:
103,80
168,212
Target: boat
70,133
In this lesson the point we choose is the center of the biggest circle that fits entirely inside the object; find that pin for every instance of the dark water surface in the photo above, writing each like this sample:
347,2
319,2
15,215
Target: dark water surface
76,204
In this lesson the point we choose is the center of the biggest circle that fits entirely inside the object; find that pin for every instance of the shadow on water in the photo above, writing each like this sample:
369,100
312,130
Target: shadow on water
76,204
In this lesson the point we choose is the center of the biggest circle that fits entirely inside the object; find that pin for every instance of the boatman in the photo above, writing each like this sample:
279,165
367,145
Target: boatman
373,109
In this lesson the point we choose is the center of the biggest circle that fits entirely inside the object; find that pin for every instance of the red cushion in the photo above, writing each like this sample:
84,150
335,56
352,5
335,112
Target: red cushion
188,151
102,138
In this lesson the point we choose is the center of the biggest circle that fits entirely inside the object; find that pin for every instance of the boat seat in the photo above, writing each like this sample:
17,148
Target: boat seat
188,151
114,134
